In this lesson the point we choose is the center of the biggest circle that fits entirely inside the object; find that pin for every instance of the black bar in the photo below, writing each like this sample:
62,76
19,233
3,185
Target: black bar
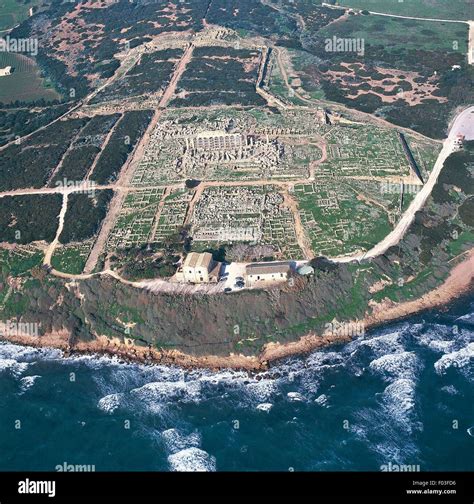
407,486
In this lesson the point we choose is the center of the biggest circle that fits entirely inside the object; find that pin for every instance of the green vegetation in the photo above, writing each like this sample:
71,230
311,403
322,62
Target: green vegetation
16,122
24,219
120,22
78,160
151,261
20,261
413,73
150,75
220,75
71,258
125,137
31,163
84,215
438,9
396,34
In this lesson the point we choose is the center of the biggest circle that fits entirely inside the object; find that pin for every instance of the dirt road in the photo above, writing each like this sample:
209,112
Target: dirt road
52,246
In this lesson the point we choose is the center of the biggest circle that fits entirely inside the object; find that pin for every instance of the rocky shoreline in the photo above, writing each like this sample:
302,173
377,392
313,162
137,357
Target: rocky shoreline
459,282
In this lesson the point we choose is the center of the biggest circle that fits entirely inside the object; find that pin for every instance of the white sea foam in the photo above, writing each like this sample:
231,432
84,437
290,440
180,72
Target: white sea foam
469,317
324,359
13,367
176,442
380,345
450,389
265,407
163,392
399,398
27,382
261,390
322,400
461,359
295,397
192,460
394,366
110,403
437,338
26,353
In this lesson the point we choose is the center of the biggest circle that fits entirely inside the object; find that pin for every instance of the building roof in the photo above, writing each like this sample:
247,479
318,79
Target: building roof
195,260
267,268
306,270
204,260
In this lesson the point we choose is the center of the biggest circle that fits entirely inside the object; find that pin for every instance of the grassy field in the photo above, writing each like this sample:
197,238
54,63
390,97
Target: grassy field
71,258
439,9
13,12
25,83
396,33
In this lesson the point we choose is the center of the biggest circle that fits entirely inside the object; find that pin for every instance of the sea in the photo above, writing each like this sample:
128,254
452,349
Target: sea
402,394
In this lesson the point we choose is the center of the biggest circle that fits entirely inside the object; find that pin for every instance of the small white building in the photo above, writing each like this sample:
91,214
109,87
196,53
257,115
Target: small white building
258,273
5,71
200,268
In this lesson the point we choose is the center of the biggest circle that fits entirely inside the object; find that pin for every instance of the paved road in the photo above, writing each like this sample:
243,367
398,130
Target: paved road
347,7
470,52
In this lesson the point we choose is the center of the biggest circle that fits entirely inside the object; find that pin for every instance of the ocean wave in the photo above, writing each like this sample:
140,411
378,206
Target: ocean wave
27,353
461,359
450,389
12,366
175,441
438,338
265,407
110,403
395,366
262,390
389,343
192,460
389,440
164,392
27,382
399,400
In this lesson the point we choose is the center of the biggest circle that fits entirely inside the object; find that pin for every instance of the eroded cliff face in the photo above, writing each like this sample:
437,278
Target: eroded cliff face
219,324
